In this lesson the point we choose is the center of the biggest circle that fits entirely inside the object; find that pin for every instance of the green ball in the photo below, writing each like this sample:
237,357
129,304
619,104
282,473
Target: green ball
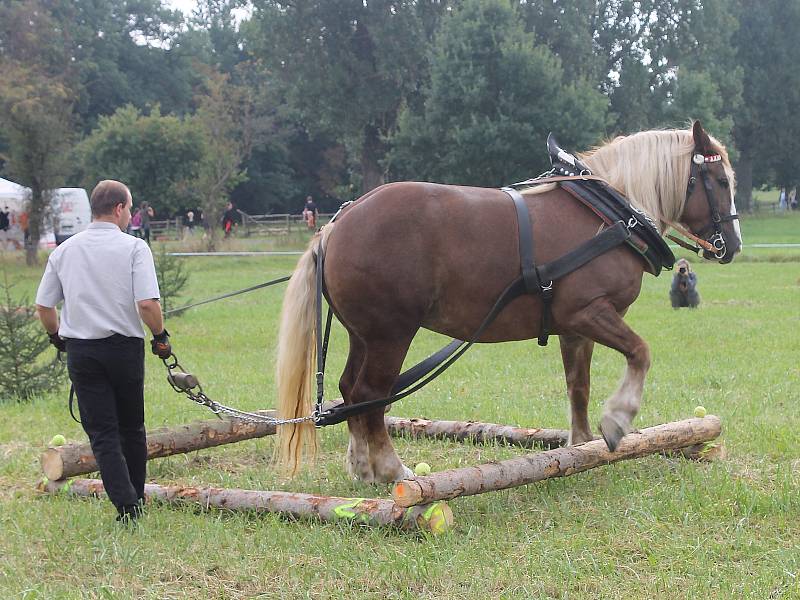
422,469
58,440
700,412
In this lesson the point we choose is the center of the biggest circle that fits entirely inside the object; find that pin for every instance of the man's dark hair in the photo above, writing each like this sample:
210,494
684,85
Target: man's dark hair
106,195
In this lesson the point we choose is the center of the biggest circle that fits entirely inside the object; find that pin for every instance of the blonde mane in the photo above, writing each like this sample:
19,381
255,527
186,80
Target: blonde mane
651,168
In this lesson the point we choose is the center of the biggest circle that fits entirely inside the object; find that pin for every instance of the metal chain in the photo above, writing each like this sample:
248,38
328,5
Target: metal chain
186,387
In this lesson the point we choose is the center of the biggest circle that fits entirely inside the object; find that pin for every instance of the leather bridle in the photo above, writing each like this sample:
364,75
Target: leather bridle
710,237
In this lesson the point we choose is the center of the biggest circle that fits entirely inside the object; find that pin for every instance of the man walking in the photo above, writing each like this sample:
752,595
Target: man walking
107,281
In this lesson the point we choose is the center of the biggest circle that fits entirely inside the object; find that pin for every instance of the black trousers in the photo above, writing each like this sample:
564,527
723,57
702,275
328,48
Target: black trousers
108,375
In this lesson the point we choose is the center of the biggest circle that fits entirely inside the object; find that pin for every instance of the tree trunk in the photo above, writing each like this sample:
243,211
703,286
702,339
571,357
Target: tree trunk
553,463
36,212
744,182
371,154
435,518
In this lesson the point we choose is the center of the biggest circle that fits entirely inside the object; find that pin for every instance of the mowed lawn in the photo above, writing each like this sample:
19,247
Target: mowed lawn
653,527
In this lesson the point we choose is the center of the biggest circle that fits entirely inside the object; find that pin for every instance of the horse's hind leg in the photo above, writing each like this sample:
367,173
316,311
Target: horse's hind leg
357,449
576,354
371,456
601,322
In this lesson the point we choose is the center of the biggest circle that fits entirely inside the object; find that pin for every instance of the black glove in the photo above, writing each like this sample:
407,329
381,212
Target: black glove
160,345
59,342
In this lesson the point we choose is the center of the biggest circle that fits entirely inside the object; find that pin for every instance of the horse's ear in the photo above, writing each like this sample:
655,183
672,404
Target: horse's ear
701,140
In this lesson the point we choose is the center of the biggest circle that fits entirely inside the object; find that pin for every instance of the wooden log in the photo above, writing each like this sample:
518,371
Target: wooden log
70,460
475,431
553,463
433,518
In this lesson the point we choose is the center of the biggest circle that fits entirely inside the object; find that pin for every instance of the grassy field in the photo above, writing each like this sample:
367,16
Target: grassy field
649,528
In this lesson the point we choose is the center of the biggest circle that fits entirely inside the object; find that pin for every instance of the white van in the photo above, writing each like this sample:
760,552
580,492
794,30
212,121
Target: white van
70,214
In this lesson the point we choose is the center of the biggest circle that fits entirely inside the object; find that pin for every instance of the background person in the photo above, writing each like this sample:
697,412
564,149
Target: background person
108,283
135,226
190,223
229,219
310,213
147,213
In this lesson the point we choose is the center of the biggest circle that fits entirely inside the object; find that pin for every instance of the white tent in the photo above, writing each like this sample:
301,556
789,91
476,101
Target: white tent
12,190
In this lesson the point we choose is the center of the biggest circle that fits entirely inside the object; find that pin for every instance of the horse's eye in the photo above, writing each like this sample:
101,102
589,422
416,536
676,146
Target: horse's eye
724,183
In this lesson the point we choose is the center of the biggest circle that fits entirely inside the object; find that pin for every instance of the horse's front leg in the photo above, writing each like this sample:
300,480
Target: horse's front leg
576,354
601,322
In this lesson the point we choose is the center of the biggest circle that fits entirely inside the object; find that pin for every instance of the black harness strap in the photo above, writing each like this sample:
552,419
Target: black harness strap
530,275
322,338
71,400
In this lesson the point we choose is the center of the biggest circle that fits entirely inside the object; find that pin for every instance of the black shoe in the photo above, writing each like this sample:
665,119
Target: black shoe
129,513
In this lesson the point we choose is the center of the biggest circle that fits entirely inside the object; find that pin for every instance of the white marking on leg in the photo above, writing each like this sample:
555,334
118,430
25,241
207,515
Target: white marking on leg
357,460
624,404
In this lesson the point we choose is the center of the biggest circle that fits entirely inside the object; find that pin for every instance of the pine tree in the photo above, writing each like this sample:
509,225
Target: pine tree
171,277
24,373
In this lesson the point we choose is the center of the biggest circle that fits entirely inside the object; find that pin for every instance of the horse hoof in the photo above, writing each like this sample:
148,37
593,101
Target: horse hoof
407,473
612,432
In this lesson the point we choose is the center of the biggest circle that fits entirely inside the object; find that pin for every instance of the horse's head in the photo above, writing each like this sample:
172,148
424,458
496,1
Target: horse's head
710,211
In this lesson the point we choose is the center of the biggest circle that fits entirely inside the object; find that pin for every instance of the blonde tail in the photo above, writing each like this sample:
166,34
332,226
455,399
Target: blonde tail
296,362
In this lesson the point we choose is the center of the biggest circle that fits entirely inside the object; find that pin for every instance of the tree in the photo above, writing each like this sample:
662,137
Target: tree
124,53
230,124
35,117
346,66
36,104
172,278
766,127
493,97
154,155
22,342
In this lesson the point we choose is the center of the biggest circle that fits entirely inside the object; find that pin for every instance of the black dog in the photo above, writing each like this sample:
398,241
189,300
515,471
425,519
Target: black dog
684,286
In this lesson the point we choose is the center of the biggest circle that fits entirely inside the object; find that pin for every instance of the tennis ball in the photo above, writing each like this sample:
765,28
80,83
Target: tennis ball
439,517
58,440
422,469
700,411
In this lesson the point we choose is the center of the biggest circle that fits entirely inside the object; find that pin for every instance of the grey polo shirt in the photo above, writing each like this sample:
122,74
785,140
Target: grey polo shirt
100,274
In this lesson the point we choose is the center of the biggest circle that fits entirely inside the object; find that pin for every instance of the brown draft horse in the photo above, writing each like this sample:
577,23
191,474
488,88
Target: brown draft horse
410,255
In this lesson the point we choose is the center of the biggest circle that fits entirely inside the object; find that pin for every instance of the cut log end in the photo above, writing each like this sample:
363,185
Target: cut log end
52,464
407,492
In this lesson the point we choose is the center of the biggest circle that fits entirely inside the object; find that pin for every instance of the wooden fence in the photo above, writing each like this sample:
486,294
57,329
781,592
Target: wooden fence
249,226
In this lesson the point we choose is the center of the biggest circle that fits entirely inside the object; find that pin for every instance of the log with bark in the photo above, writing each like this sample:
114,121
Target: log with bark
475,431
434,518
554,463
70,460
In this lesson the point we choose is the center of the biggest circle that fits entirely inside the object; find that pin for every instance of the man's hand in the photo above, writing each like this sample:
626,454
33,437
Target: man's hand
59,342
160,345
